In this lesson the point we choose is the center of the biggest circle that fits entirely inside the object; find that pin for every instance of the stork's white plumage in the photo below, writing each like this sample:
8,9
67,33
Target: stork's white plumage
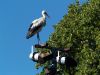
37,25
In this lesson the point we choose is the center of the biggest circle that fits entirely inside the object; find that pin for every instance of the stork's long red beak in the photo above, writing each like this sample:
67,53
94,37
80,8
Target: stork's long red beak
47,15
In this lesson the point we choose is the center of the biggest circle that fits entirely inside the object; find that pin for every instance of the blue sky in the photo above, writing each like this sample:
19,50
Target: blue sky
15,18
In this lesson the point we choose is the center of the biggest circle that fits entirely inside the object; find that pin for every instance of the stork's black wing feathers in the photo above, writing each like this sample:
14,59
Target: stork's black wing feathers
30,26
33,31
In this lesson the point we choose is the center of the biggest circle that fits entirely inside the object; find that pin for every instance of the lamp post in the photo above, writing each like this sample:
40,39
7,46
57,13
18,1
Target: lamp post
53,57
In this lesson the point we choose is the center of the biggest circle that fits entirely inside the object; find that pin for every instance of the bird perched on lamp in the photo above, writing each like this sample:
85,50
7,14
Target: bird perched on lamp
37,25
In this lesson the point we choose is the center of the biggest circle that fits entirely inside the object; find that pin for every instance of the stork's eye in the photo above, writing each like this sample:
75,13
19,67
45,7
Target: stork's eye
45,13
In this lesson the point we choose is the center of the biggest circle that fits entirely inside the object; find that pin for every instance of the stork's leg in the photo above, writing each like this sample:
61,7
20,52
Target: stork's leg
38,37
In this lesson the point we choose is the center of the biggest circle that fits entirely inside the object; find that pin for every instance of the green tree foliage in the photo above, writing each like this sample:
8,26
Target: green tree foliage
80,30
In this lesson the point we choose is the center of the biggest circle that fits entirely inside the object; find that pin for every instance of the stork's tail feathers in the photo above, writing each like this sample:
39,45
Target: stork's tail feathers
28,35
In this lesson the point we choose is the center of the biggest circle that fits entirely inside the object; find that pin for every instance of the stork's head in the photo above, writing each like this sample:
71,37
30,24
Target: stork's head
44,13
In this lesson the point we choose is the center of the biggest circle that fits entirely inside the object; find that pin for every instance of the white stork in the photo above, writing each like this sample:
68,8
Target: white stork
37,25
